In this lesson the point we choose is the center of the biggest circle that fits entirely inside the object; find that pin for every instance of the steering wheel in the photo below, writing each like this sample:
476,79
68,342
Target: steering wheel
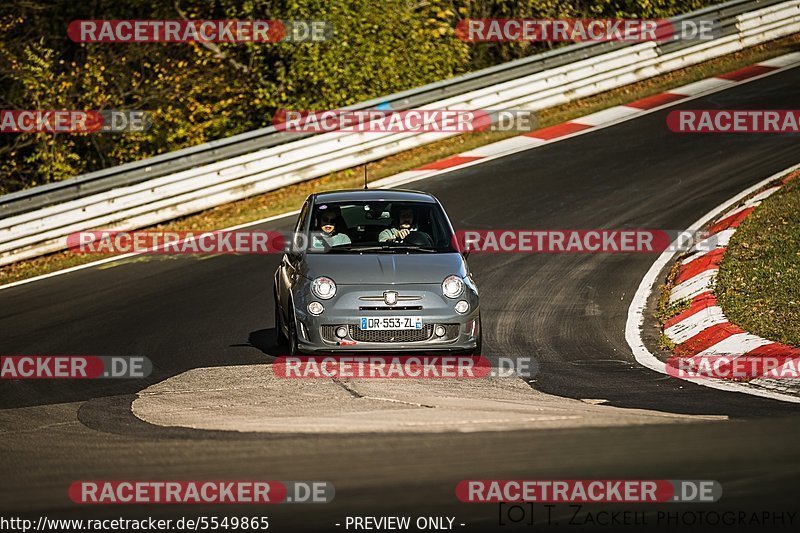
418,238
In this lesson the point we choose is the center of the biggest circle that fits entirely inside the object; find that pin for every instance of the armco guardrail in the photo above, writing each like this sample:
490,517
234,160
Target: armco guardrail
164,164
152,191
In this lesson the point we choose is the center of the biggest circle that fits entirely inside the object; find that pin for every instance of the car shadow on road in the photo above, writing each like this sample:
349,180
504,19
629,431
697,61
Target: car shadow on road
264,340
30,393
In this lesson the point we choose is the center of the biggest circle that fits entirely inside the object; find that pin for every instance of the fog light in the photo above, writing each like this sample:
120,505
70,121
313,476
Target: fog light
315,308
462,307
439,331
341,332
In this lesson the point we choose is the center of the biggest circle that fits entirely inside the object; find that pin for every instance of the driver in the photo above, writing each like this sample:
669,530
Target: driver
406,223
329,219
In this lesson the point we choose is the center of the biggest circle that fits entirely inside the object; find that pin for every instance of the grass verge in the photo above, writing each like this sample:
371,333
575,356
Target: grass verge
758,286
291,197
666,310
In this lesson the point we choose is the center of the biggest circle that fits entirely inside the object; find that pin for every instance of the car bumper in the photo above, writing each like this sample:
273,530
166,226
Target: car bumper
317,334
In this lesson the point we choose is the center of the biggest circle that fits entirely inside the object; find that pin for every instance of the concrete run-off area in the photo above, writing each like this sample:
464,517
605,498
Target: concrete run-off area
251,398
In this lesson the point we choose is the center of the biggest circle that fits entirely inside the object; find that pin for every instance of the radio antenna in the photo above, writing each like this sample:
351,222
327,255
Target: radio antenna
365,177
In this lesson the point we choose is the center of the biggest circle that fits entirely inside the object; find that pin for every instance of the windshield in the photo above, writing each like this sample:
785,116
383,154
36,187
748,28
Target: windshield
379,227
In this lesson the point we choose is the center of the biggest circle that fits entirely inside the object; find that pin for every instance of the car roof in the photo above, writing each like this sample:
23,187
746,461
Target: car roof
389,195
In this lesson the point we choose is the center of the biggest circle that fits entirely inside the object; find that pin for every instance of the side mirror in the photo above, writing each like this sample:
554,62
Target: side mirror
297,245
294,257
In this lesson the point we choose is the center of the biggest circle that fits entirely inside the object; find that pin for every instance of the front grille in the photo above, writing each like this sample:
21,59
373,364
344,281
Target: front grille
400,298
403,335
451,331
395,308
329,333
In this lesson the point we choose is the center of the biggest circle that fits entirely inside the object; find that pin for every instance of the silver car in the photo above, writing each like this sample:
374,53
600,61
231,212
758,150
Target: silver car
375,271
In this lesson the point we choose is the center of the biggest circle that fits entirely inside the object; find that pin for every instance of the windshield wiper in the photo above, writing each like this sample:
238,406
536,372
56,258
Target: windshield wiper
356,248
386,248
414,247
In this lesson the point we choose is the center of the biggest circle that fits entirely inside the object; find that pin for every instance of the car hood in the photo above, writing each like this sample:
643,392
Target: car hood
388,269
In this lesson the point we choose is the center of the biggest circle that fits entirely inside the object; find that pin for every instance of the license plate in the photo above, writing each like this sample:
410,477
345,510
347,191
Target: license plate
391,322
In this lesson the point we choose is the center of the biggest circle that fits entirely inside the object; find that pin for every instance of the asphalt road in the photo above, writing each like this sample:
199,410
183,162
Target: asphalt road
568,311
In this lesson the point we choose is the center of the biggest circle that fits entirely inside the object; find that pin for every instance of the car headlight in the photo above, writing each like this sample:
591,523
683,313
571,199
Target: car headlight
323,287
452,286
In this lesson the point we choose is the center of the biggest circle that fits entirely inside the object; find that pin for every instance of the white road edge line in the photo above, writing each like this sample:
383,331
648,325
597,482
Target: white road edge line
633,116
412,179
635,320
133,254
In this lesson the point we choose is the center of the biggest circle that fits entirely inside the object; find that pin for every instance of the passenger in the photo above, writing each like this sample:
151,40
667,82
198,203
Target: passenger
406,223
329,222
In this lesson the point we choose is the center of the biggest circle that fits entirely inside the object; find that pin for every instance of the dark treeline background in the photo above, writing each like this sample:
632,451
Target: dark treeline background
196,93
